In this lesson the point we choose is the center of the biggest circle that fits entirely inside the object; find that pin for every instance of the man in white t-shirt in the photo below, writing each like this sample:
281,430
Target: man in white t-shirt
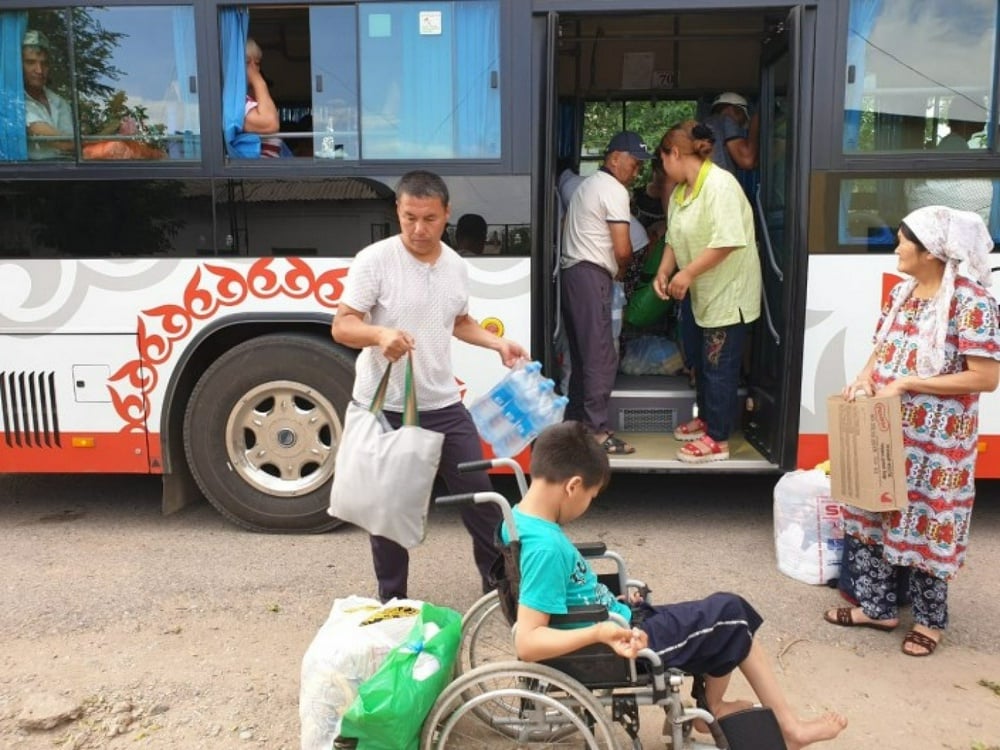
408,294
596,251
46,114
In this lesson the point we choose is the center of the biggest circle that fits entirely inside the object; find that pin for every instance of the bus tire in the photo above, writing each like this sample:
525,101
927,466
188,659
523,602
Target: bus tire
261,430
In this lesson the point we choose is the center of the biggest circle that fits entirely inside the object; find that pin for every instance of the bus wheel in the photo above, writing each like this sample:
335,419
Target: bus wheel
262,427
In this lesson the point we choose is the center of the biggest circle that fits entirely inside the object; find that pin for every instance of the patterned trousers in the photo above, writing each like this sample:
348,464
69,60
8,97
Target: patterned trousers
875,586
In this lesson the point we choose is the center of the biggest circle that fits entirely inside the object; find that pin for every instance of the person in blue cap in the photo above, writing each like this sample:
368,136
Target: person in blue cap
597,250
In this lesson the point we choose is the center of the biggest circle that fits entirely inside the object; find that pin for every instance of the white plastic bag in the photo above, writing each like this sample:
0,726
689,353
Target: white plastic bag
347,650
808,528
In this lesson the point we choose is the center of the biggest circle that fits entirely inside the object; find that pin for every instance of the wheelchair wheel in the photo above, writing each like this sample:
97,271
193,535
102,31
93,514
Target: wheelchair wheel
486,635
518,705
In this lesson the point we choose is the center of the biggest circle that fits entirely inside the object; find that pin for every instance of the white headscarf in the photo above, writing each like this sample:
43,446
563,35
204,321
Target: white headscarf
954,237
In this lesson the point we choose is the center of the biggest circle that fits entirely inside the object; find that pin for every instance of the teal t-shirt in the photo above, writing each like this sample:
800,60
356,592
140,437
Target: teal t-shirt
554,575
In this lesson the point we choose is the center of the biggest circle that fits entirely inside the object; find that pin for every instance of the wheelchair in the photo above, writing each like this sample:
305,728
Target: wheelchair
589,698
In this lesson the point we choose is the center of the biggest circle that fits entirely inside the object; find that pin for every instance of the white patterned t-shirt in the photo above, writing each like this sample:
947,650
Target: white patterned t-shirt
396,290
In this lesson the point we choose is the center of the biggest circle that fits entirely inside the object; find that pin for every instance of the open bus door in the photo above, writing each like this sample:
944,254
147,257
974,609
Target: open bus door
547,222
780,203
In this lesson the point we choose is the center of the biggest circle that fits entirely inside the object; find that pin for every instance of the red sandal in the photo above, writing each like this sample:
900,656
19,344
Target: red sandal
701,451
693,430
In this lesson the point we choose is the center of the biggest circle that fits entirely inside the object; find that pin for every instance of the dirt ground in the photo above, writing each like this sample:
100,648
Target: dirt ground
186,632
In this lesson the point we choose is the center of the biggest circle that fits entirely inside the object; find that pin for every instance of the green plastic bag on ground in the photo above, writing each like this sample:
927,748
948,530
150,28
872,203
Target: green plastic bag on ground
392,704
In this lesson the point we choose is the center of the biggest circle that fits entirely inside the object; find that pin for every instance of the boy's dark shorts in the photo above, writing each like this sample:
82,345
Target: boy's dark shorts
708,636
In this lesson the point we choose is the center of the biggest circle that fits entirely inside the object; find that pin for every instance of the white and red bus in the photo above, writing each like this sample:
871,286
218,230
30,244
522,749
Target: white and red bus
165,298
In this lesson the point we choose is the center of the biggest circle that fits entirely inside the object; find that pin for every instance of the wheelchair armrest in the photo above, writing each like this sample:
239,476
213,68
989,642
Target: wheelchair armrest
586,613
591,549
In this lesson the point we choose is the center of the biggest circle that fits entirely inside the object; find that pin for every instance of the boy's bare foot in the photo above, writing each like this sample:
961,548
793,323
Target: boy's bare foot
804,733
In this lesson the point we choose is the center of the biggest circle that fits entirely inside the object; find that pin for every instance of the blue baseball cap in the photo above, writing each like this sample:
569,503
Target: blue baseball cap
631,143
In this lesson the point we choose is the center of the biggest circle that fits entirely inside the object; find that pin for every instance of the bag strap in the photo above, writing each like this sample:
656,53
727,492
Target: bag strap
410,414
378,400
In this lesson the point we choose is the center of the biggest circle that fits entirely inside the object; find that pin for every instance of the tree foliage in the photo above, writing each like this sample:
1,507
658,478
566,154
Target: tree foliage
93,49
651,120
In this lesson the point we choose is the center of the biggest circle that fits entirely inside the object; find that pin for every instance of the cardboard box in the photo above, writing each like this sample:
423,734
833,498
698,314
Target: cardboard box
867,465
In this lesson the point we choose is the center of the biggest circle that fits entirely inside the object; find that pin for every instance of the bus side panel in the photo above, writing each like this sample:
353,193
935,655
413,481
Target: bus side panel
88,362
66,406
843,299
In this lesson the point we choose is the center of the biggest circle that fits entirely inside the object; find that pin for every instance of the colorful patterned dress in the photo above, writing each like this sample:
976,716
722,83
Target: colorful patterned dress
939,436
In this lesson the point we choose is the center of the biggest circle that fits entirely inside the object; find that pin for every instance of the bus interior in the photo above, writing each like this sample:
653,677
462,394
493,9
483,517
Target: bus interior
645,72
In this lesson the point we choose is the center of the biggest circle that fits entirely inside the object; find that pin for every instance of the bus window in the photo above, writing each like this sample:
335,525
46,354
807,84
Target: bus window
113,84
307,58
331,217
35,88
919,75
869,209
428,91
420,91
334,51
105,218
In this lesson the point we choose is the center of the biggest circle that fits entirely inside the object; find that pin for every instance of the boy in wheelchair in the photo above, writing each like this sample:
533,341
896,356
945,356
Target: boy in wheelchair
712,636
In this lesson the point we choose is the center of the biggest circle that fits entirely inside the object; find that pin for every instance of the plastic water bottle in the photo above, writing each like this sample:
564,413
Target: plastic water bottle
486,409
516,409
550,412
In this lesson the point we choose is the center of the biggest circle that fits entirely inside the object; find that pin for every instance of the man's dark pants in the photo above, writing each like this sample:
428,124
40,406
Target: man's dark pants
586,309
461,443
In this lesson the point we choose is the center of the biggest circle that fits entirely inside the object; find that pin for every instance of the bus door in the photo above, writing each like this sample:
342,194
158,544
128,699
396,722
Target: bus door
547,223
773,392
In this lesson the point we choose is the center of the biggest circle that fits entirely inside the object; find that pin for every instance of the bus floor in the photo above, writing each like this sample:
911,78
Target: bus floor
658,451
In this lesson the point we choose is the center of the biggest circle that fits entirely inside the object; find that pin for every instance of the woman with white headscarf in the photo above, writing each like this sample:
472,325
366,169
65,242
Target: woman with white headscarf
937,346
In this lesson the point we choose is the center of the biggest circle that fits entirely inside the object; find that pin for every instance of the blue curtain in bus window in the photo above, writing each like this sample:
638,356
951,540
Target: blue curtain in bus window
406,69
426,85
187,125
13,136
567,148
477,79
233,24
862,19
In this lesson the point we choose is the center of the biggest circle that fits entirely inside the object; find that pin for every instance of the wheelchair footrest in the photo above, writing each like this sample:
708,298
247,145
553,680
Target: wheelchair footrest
752,729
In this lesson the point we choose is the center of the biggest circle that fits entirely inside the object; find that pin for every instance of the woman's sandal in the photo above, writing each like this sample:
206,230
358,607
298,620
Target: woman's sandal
701,451
918,639
614,446
844,617
692,430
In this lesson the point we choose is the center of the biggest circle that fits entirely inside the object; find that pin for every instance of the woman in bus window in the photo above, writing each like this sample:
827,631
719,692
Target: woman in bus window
710,239
936,346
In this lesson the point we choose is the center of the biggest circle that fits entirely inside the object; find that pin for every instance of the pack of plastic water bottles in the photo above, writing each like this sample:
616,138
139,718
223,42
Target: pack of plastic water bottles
517,409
